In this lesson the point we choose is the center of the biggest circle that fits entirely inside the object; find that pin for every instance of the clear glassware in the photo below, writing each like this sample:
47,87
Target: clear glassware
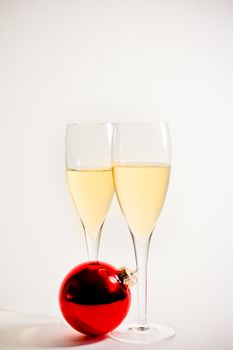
89,176
141,155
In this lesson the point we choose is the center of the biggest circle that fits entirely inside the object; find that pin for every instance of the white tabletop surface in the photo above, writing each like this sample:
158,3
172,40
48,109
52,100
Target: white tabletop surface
23,331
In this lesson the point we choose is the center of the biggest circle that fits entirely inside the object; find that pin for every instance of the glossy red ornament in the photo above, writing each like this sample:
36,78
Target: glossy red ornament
94,297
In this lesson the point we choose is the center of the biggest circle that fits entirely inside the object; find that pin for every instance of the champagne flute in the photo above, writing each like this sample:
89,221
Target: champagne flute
89,176
141,154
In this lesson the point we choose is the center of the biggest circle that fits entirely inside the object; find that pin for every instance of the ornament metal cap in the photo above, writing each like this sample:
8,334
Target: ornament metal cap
128,276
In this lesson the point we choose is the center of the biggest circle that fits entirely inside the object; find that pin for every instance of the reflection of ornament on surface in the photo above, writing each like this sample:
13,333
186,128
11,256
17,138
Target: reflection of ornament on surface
94,297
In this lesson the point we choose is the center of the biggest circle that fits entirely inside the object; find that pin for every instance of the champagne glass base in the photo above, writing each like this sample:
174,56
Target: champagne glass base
148,334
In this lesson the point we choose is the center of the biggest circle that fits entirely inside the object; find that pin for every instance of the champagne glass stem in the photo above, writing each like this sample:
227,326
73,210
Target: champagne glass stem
93,242
141,248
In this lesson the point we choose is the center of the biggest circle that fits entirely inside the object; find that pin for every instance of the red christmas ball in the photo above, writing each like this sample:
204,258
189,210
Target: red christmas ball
94,297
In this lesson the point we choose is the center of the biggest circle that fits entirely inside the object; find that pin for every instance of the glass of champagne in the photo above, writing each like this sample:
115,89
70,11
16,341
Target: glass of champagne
89,176
141,154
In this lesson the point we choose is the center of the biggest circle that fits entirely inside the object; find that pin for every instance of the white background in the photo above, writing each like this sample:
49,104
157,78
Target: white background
95,60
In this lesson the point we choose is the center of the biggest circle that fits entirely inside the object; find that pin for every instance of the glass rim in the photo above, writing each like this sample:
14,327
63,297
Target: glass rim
119,123
149,122
88,123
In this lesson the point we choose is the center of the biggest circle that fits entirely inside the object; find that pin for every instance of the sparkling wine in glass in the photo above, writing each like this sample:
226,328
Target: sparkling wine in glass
141,154
89,176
